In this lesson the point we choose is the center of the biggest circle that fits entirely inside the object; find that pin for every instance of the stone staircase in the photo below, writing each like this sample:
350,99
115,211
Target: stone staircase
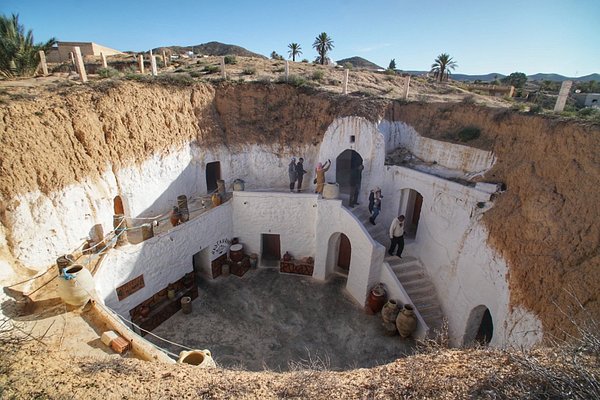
408,269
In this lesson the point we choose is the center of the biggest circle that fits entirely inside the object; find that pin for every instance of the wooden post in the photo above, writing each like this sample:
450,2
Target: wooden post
104,63
153,65
120,227
347,71
406,86
80,65
223,74
287,70
72,57
165,61
43,62
562,96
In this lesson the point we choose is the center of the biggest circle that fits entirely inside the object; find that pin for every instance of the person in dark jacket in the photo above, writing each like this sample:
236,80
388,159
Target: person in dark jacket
372,198
292,173
300,174
355,181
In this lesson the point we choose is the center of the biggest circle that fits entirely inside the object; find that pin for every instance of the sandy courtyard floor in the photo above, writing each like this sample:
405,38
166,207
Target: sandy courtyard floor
267,320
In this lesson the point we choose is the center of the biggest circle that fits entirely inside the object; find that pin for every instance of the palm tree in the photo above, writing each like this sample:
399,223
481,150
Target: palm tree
295,50
323,44
442,66
18,55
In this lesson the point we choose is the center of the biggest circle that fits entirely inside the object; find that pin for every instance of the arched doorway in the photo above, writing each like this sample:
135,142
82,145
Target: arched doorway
213,174
339,254
480,327
118,206
348,173
411,203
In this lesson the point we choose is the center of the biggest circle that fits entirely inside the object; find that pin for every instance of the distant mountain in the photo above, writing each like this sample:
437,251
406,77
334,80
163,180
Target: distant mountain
211,49
359,62
534,77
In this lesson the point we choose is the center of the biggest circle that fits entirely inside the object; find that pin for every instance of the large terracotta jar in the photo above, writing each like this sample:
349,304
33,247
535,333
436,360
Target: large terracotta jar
390,311
376,299
406,322
76,285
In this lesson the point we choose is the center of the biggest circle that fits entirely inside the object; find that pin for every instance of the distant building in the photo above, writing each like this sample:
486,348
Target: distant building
587,99
60,52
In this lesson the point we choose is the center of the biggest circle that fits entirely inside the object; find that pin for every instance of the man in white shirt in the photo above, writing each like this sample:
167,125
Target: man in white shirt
397,236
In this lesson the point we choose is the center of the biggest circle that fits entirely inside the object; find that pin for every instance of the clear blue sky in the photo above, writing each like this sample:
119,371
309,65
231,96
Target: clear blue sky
561,36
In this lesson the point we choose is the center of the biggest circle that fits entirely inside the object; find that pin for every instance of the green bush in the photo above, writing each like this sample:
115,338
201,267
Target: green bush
293,80
469,133
230,59
535,109
348,65
390,72
305,60
211,69
249,71
175,79
317,75
107,72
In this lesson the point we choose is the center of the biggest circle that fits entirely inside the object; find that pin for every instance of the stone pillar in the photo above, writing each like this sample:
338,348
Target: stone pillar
141,63
406,86
223,74
562,96
147,231
346,73
287,70
120,226
43,62
165,61
104,63
153,65
80,65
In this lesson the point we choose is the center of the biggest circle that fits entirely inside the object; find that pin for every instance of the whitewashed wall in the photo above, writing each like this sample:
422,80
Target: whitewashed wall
369,143
366,255
452,244
162,259
453,156
292,216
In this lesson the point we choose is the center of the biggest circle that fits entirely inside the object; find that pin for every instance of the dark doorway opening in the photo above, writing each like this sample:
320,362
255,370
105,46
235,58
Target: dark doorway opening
348,173
213,174
118,206
270,250
486,329
411,204
344,254
201,263
417,210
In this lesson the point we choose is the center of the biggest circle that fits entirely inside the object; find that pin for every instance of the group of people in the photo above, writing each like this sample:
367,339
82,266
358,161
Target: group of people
296,173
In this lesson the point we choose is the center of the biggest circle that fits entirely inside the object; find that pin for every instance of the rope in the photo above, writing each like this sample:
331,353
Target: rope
150,333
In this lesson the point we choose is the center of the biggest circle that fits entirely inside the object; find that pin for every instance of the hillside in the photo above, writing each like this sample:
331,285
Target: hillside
211,49
535,77
359,62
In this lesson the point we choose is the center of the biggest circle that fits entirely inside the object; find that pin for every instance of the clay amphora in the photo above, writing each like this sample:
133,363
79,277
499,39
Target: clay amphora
390,311
406,322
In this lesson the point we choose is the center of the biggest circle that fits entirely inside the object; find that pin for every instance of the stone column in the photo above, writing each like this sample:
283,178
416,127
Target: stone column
346,73
562,96
43,62
406,86
80,65
223,74
141,63
165,61
120,227
153,65
104,63
287,70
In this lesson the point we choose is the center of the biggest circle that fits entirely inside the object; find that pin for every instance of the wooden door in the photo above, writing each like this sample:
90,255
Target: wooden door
271,249
118,206
345,253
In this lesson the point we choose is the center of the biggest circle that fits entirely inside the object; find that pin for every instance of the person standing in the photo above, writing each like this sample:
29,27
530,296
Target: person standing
355,181
372,198
320,179
376,207
397,236
299,174
292,173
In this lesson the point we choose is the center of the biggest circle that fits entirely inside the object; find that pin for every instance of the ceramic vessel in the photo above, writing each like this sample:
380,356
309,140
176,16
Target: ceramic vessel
76,286
200,358
406,322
